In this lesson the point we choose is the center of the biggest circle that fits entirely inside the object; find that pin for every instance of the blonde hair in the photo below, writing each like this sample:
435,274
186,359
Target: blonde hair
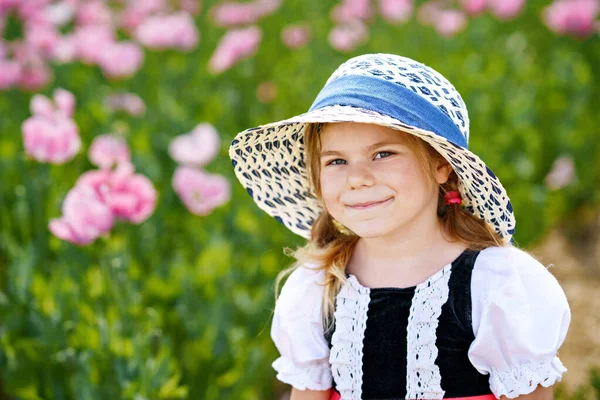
330,250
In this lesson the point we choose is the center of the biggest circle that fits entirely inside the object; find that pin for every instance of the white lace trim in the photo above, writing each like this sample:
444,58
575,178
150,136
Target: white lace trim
346,354
525,378
423,378
313,376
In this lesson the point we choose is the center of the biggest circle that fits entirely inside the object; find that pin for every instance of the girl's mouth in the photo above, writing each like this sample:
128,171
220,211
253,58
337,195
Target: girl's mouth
371,204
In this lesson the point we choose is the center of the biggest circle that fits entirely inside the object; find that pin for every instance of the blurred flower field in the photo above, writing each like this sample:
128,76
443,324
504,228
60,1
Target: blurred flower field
132,263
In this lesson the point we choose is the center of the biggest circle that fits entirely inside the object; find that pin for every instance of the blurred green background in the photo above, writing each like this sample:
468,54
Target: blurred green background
180,306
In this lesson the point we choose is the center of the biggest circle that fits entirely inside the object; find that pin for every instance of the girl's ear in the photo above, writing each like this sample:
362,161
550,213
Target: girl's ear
442,171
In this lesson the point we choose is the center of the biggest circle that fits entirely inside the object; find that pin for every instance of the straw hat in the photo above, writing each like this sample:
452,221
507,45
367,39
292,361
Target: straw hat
383,89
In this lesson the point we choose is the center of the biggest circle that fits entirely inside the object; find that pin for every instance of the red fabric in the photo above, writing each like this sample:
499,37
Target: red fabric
336,396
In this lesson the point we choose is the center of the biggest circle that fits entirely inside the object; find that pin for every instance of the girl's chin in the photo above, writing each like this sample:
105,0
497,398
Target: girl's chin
370,231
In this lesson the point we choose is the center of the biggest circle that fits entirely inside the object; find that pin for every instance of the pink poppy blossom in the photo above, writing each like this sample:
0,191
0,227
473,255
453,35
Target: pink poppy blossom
42,37
85,217
63,103
474,7
129,196
200,191
34,71
176,31
230,14
136,12
59,13
396,11
128,102
348,36
10,72
108,150
198,147
34,77
91,42
95,12
234,46
506,9
54,140
64,50
350,10
132,196
121,60
450,22
191,6
295,36
561,174
573,17
50,135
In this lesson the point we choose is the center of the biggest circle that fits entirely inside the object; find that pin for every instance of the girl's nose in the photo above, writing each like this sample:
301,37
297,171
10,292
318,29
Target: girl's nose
359,174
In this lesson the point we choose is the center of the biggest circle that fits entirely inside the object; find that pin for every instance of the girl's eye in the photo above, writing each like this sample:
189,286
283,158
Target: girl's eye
384,154
335,162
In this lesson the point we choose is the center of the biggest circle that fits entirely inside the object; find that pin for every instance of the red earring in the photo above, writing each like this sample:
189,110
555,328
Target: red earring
453,197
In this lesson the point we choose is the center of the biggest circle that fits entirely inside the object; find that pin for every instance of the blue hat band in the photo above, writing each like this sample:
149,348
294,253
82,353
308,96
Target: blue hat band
391,99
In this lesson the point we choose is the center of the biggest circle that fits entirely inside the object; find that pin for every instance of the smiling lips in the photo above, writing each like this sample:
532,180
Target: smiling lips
370,204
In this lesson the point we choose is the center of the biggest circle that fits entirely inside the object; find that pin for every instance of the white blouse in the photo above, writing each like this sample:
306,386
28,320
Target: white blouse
520,318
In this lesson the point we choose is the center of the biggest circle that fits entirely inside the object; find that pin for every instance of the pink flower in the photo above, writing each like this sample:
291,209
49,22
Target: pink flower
64,104
350,10
177,31
396,11
231,14
129,196
95,12
198,147
85,217
347,37
54,141
42,37
128,102
91,42
50,135
200,191
573,17
295,36
191,6
506,9
65,50
121,60
136,12
108,150
474,7
450,22
561,174
59,13
132,196
10,71
234,46
34,71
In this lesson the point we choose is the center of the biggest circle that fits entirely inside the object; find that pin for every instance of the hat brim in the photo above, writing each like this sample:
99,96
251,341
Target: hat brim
269,162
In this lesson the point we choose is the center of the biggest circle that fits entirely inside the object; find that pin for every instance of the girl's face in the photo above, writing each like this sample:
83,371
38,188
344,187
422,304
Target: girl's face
373,182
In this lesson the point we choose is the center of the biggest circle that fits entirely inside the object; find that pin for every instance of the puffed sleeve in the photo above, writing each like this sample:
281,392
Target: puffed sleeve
297,332
520,318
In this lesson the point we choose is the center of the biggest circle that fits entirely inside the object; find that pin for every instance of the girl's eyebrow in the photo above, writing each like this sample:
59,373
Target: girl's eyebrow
368,148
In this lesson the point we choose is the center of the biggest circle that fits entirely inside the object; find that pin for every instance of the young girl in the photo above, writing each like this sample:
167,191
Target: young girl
409,286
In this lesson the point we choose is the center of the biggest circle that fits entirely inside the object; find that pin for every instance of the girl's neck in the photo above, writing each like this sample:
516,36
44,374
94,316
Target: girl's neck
422,246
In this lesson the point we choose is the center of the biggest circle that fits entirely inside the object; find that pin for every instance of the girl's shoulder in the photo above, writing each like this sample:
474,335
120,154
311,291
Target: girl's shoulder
301,293
510,262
